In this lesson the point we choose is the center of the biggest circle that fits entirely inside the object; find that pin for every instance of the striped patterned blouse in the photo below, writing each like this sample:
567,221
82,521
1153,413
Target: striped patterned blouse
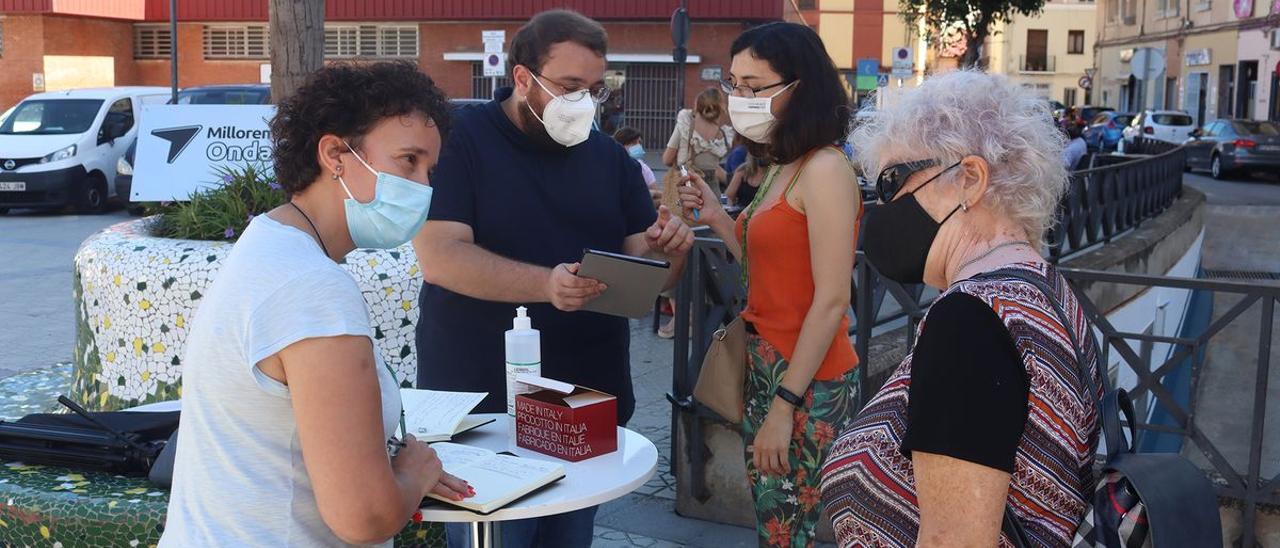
868,485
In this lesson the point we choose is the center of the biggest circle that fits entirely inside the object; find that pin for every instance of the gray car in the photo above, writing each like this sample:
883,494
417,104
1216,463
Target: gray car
1228,145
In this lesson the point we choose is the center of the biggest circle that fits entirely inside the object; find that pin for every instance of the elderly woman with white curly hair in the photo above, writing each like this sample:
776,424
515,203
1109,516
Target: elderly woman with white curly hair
991,410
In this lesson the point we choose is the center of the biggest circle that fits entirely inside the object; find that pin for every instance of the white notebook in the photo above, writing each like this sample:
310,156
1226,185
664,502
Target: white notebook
498,479
433,415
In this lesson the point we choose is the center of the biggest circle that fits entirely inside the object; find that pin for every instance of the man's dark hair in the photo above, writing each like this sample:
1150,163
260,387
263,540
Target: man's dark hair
818,112
533,41
347,100
626,134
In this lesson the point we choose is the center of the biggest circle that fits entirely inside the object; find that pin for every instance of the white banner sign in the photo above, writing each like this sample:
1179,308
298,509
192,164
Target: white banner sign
493,40
181,148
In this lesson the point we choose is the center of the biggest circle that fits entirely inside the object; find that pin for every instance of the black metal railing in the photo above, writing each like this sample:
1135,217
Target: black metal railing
1037,63
1249,486
712,292
1103,202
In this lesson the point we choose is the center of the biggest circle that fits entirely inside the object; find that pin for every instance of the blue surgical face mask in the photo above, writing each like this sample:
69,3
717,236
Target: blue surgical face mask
397,212
636,151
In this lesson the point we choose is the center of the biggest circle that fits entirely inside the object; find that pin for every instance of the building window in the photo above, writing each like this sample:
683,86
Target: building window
807,4
151,42
1037,58
1,38
1167,8
371,40
1130,12
1069,97
1075,41
1113,10
235,42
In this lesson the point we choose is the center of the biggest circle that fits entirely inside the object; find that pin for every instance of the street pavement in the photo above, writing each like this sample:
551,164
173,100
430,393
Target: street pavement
37,321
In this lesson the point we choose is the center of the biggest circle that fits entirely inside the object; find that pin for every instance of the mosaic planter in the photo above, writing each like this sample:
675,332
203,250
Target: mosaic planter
50,506
137,294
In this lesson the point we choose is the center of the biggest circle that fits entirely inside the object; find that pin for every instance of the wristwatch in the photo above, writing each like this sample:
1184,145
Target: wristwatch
789,396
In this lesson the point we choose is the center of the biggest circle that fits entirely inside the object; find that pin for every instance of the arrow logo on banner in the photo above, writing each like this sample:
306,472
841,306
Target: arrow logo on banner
178,137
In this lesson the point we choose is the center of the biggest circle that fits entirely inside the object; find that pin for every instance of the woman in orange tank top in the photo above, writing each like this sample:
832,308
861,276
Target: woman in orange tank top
796,242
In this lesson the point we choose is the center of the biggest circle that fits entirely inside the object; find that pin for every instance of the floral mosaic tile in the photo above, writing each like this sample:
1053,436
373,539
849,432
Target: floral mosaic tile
136,296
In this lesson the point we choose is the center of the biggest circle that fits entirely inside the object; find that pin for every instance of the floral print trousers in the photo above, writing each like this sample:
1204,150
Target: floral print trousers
788,507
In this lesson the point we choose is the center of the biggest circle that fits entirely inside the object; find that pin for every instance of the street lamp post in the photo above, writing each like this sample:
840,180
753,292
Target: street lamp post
680,38
173,50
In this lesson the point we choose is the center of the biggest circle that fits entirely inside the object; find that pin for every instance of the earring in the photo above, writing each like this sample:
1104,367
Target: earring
964,206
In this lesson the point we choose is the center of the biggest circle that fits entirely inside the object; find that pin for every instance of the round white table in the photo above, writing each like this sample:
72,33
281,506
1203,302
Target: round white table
586,483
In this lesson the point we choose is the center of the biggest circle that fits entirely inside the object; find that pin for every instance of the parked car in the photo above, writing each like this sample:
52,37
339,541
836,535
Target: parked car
1224,146
124,179
60,148
6,113
1106,129
1172,126
232,94
1089,112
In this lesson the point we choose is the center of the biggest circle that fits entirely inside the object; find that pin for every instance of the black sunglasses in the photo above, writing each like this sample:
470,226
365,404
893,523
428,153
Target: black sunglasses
892,178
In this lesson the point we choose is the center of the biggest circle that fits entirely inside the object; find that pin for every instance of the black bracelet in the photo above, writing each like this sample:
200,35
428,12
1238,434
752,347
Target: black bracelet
789,396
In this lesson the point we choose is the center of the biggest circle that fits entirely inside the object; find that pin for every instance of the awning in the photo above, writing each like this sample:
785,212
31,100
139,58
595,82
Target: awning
612,57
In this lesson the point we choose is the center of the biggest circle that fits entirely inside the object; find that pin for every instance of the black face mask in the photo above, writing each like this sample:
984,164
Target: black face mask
897,236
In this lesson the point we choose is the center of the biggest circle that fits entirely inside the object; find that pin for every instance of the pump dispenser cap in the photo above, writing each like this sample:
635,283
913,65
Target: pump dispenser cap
522,320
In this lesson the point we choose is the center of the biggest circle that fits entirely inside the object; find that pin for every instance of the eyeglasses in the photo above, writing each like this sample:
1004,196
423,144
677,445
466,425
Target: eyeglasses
749,92
599,93
894,177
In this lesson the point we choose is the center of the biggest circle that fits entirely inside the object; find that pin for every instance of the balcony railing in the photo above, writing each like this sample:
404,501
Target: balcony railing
1037,63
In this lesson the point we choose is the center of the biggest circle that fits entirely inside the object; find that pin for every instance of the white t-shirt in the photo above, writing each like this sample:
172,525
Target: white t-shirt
239,478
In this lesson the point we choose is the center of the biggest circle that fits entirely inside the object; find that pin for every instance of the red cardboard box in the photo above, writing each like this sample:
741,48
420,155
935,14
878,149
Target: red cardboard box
566,421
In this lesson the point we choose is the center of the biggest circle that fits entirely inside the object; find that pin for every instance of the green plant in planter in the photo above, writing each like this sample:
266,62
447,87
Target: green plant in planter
222,212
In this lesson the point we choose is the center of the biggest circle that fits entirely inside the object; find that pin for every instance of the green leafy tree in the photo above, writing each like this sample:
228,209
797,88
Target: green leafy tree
967,21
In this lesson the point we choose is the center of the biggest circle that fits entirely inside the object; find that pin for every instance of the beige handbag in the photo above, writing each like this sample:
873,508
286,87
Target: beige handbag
721,382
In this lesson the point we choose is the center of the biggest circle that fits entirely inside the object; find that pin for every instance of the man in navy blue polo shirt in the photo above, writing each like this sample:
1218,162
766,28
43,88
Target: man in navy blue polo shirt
523,186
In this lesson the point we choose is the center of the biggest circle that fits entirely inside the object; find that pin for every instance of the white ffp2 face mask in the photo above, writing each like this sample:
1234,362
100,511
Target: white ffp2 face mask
567,122
753,117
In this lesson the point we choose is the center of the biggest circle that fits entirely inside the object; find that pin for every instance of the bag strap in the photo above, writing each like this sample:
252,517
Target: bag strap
1110,404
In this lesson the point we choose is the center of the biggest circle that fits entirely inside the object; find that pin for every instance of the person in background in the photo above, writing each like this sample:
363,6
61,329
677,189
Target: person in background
289,417
631,139
737,155
1076,148
746,181
523,186
990,410
701,139
796,242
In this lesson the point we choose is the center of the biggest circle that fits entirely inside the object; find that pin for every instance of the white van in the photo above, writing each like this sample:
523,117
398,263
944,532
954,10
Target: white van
60,148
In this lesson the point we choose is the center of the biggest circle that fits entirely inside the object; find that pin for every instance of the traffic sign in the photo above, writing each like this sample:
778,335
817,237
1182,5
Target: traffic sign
903,67
1090,72
882,80
1085,82
493,40
868,67
495,65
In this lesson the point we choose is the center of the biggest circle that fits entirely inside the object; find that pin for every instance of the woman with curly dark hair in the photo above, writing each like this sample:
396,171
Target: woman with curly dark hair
291,431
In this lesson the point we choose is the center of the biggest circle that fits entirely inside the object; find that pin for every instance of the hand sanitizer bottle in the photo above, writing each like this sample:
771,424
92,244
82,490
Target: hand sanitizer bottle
524,354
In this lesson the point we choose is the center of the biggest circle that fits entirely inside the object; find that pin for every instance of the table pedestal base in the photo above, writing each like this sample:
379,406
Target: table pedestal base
486,534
